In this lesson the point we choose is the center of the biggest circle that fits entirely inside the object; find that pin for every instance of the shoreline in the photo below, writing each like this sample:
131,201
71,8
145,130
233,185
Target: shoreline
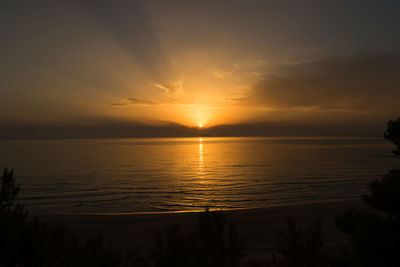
43,214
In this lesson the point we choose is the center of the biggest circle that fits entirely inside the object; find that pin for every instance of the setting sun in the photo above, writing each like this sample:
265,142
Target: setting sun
200,125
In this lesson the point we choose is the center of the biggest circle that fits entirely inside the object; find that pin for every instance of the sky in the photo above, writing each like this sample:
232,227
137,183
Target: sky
247,67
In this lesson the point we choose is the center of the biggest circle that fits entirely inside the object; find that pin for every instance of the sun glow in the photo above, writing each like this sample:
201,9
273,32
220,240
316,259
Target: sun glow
200,125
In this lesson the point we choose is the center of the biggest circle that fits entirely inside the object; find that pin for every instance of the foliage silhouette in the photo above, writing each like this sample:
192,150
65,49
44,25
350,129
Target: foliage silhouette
211,243
8,191
172,249
385,193
27,241
375,236
299,248
393,134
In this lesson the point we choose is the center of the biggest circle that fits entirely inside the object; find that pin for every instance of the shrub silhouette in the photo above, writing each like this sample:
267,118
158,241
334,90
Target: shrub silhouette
12,220
172,249
27,241
221,245
8,191
393,134
385,193
297,247
375,236
211,243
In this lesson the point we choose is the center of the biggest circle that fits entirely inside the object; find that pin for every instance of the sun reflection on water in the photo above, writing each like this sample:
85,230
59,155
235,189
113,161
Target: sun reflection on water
201,157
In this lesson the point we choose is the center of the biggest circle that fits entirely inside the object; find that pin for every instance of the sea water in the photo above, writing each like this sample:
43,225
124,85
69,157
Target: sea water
116,176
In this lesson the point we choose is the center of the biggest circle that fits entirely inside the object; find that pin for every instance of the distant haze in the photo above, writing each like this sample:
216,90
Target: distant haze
132,130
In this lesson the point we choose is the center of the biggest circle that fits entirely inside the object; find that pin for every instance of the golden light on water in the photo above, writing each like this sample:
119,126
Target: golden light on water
201,156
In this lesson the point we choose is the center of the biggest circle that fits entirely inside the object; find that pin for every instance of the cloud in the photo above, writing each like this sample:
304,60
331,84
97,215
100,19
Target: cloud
175,87
254,74
130,101
165,88
363,82
221,74
174,93
119,104
137,101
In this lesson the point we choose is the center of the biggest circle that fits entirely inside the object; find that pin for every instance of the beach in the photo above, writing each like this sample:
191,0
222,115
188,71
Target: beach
256,227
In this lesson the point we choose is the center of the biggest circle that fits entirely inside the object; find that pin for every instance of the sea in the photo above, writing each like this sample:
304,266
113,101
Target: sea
123,176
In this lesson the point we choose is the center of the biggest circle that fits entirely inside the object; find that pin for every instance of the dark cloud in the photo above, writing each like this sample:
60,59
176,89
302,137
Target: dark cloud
130,101
119,104
137,101
369,82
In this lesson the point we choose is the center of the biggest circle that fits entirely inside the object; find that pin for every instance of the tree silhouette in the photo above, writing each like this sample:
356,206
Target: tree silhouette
27,241
213,243
393,134
297,247
385,193
8,190
375,236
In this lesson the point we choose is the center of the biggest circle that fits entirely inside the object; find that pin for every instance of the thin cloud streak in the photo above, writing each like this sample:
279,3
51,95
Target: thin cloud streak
130,101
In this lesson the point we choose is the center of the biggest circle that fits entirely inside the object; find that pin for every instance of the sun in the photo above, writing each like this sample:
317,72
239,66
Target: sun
200,125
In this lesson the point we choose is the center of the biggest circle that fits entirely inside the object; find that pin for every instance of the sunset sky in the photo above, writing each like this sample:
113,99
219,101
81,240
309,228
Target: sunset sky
90,63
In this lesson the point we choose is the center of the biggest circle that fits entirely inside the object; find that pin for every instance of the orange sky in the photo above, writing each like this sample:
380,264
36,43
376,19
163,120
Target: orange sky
211,63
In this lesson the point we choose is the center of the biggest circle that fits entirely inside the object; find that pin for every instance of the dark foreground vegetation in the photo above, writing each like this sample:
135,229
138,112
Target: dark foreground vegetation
372,238
393,134
26,241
